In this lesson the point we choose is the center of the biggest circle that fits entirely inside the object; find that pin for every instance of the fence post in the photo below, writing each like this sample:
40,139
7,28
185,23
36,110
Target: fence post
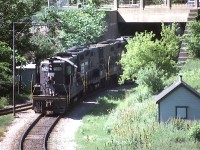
116,4
196,3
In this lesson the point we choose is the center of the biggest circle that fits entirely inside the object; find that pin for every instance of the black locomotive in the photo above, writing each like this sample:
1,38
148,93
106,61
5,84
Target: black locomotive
66,77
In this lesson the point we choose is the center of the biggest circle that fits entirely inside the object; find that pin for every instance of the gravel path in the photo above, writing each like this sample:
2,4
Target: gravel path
63,135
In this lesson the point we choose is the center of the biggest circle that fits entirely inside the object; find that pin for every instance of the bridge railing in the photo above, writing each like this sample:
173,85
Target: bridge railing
156,3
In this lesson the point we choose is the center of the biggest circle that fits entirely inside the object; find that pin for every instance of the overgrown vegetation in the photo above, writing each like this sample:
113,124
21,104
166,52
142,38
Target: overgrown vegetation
195,132
132,123
192,39
149,59
73,27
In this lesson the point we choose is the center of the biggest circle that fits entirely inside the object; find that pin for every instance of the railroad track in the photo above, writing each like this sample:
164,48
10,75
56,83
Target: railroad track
18,108
36,136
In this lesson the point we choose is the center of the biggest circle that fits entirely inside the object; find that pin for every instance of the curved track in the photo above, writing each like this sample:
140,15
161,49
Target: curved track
36,136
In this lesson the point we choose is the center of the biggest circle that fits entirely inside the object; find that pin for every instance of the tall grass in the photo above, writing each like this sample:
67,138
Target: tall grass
92,134
191,73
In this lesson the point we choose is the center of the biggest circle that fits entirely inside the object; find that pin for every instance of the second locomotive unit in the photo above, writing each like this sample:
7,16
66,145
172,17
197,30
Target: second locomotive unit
66,77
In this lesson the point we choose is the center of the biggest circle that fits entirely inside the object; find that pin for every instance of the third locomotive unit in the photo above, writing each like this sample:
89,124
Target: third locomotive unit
67,76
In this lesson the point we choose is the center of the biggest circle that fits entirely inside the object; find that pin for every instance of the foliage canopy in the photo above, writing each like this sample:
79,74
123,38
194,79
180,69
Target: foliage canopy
143,49
77,26
5,78
192,39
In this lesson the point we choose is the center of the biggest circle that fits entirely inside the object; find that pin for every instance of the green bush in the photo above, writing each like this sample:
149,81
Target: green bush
141,93
151,77
21,98
3,102
192,39
195,132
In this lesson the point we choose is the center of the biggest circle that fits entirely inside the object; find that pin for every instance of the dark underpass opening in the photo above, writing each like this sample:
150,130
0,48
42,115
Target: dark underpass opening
129,29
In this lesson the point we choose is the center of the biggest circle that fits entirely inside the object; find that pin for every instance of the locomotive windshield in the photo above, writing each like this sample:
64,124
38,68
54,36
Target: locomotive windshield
57,68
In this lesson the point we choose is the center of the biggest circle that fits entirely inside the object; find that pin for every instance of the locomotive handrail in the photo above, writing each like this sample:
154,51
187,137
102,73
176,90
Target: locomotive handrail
45,86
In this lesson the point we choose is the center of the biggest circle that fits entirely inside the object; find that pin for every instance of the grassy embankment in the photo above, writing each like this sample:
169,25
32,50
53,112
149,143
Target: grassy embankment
4,122
129,121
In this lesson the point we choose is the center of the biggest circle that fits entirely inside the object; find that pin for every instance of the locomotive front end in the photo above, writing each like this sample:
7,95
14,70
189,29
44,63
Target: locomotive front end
52,94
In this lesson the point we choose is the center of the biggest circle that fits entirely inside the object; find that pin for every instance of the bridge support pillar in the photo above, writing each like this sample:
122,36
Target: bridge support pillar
116,4
196,3
142,4
169,4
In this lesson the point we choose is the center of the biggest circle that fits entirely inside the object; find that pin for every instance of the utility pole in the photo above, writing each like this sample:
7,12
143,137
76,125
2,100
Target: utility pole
48,3
14,60
14,69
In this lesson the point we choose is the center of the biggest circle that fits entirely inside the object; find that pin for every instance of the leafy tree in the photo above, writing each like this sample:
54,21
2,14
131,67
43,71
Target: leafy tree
77,26
44,46
17,11
5,77
192,39
14,11
144,49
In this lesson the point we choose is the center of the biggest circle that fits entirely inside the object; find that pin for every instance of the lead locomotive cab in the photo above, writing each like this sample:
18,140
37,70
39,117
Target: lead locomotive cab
56,79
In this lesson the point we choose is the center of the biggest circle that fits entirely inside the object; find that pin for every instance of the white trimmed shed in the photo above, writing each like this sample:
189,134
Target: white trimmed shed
178,101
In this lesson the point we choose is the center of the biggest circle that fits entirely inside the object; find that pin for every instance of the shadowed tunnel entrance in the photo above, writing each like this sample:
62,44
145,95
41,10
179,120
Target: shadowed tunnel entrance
129,29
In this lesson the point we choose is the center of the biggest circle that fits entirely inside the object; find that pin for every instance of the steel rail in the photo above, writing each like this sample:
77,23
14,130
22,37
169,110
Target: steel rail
19,108
36,129
49,131
28,130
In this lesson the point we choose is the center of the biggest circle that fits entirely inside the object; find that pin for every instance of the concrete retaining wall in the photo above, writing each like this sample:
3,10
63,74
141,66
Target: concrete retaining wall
112,23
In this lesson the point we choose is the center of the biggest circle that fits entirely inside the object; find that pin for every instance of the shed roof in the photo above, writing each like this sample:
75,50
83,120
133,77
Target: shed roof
174,86
28,66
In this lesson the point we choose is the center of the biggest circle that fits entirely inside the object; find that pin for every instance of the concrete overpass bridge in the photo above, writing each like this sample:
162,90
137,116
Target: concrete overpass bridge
148,11
130,16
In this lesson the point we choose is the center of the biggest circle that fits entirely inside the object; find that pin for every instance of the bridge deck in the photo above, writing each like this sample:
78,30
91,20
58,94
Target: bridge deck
155,14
